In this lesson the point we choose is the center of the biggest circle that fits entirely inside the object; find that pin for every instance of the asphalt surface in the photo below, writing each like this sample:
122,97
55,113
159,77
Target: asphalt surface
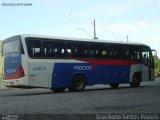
96,102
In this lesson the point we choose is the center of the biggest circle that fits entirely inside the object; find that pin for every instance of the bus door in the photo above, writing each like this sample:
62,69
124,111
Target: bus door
146,65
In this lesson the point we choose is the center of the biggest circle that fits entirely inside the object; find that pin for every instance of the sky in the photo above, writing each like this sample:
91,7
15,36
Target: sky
115,19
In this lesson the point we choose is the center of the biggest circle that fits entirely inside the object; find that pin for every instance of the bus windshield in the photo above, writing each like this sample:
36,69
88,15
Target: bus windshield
11,47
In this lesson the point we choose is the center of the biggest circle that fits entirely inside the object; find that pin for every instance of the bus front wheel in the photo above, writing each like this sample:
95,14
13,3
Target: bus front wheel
58,90
78,83
135,80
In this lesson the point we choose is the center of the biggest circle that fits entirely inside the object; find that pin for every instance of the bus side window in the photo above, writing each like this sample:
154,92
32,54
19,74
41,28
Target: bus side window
70,48
37,52
34,48
53,49
145,60
91,53
92,50
76,50
48,48
68,54
133,53
59,49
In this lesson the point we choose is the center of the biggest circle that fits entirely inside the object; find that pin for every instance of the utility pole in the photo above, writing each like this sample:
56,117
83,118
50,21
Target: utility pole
94,33
127,39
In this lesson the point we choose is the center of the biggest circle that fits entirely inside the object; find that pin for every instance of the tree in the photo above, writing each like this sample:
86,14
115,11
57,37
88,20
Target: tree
157,65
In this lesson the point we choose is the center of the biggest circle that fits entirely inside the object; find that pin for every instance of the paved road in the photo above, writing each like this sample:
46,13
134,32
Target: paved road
96,102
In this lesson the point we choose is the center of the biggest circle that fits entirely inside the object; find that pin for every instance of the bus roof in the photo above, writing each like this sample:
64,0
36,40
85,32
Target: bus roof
78,39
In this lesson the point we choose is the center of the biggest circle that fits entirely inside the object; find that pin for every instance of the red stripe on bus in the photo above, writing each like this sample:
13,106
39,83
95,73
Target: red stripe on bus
112,62
19,74
14,76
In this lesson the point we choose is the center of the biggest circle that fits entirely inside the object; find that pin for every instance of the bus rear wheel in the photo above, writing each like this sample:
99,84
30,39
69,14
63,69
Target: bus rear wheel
59,89
78,83
114,85
136,79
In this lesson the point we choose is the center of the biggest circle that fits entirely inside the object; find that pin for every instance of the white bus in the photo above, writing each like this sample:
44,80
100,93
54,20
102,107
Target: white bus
60,63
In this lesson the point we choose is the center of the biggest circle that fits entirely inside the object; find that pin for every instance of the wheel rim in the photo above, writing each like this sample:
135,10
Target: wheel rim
135,80
79,84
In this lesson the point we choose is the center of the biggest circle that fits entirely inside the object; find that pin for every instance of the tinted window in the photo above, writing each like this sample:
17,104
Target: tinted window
77,50
133,52
53,49
115,51
34,48
98,51
146,56
108,51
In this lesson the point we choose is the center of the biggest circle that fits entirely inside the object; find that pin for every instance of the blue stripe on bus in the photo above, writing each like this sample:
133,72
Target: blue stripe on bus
95,74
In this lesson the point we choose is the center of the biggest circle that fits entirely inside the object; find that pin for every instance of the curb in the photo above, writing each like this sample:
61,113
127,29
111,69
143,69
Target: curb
2,87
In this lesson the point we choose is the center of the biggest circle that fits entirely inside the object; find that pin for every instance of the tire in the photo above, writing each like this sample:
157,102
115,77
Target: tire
78,83
58,90
114,85
136,80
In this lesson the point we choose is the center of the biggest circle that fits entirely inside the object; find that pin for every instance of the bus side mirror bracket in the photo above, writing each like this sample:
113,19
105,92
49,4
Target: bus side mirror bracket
155,53
154,57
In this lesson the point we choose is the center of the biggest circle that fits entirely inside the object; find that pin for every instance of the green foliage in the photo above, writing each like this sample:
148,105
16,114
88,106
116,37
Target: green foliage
0,61
0,78
157,66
